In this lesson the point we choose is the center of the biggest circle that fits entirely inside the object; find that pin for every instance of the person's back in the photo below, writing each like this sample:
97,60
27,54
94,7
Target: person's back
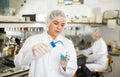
99,55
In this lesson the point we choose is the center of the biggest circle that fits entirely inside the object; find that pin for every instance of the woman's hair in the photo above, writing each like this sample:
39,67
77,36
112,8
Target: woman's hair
53,15
97,31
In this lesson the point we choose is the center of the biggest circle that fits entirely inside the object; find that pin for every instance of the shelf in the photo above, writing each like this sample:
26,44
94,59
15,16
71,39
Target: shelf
20,22
4,24
84,23
111,15
44,22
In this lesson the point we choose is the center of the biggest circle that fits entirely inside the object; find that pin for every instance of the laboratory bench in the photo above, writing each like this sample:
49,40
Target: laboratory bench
15,72
9,70
114,54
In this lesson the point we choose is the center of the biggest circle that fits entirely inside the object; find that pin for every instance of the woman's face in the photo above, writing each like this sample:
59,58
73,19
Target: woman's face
56,27
95,37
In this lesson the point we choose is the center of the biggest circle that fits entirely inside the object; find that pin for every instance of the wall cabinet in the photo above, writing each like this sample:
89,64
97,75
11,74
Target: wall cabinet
111,15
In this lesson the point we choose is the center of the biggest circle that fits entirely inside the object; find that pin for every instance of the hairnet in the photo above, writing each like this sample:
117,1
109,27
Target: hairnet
97,31
53,15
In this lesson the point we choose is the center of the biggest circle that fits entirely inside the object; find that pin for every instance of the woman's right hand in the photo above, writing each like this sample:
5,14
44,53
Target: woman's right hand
41,49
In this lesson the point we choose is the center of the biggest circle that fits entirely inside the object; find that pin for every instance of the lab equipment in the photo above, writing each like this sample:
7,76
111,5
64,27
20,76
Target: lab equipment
63,56
53,44
63,60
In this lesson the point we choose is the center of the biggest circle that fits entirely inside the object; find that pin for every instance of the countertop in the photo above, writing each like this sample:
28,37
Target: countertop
14,72
7,71
114,54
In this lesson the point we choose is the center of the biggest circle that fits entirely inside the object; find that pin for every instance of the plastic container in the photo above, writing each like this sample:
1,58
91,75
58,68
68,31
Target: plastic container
63,60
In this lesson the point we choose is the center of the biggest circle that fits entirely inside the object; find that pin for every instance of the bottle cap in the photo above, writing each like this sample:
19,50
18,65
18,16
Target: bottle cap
63,56
52,44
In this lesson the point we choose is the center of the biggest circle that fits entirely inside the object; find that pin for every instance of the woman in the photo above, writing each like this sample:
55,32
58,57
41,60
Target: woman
42,52
97,54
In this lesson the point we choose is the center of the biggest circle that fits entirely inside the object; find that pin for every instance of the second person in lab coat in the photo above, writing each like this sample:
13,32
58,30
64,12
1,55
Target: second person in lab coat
97,53
42,52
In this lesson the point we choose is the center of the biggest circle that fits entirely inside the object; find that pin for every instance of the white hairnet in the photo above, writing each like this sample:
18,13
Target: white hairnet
53,15
97,31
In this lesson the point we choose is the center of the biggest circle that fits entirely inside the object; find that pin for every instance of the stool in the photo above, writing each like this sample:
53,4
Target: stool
99,73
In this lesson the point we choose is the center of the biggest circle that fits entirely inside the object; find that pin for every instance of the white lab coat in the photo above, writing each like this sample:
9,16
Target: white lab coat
49,64
98,56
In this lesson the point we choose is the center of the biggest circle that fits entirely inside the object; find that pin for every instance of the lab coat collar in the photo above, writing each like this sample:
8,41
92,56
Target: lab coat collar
57,38
99,39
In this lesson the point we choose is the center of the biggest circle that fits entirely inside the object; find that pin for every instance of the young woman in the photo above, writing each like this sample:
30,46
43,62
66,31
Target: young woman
42,52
